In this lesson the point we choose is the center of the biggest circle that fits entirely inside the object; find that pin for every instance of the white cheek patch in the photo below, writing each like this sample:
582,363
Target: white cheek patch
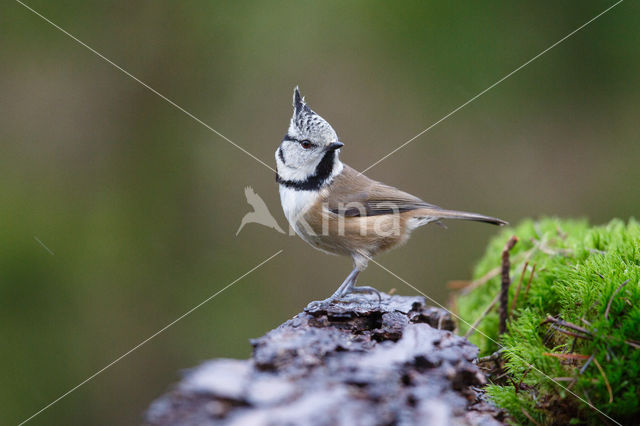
298,167
299,174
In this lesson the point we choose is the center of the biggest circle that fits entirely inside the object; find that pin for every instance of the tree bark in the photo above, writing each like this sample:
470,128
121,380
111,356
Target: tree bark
352,363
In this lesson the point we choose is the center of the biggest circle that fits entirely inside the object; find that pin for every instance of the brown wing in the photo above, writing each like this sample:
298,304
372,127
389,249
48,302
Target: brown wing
353,194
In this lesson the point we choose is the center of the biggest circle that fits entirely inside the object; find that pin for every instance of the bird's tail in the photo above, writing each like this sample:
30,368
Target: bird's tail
455,214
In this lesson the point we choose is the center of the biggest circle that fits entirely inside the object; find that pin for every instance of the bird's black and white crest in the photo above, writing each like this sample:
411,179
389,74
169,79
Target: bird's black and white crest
308,155
306,124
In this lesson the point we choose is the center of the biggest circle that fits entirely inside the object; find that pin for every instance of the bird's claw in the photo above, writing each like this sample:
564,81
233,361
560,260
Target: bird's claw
364,289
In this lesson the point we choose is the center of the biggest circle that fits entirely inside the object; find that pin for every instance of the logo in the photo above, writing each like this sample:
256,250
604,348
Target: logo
333,219
260,214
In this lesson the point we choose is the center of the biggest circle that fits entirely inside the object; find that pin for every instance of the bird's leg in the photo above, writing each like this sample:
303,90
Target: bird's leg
349,286
346,285
360,262
344,288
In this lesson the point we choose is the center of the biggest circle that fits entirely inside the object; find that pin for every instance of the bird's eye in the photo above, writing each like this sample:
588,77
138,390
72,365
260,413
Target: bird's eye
306,144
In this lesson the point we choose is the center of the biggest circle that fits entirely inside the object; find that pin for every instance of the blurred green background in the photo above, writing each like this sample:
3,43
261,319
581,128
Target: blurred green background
140,204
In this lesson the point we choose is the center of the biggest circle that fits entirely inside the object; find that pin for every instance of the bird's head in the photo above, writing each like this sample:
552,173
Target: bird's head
310,138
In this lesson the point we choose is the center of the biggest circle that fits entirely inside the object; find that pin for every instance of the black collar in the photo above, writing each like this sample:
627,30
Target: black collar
315,181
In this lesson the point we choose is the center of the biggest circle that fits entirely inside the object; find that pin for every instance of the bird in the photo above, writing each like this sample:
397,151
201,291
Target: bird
340,211
260,213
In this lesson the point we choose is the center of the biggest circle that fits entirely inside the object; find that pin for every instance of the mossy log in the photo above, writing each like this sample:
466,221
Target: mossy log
570,351
348,363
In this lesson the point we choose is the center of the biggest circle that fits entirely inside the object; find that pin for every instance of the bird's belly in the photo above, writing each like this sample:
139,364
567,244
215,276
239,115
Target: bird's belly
336,234
342,235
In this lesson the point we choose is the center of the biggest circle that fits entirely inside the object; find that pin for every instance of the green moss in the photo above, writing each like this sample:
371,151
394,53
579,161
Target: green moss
577,271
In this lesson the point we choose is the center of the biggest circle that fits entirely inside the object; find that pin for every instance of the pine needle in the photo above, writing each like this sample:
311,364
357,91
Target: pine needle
476,323
533,271
515,296
527,415
566,356
606,313
606,381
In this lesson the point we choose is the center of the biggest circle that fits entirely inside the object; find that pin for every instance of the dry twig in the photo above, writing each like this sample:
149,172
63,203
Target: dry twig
475,324
633,343
583,333
506,281
566,324
572,334
523,376
470,286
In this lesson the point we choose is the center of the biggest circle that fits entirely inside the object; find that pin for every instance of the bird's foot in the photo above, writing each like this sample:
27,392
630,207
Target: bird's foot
318,304
348,295
364,289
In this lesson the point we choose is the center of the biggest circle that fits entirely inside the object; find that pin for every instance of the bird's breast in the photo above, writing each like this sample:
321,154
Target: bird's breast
296,204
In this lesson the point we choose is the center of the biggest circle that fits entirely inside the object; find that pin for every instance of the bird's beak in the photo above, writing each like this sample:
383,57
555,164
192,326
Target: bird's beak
333,146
